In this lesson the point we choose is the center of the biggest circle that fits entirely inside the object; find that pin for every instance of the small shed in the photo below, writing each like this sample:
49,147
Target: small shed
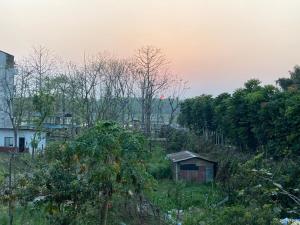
192,167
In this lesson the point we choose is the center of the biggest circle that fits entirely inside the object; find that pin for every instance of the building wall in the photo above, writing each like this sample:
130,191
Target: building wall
7,73
204,173
27,134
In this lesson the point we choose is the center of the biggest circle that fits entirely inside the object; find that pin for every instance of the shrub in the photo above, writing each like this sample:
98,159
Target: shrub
234,215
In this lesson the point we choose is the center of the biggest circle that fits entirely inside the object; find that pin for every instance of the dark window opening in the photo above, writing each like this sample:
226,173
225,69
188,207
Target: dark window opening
189,167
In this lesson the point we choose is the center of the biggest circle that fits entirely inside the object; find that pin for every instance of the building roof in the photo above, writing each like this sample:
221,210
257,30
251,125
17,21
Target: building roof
20,129
5,53
185,155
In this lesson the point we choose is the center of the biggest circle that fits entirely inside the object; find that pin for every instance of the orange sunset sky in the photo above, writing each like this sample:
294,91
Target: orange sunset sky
214,44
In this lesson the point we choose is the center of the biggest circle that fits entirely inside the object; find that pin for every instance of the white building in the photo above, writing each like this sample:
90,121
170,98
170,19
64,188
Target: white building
24,136
24,139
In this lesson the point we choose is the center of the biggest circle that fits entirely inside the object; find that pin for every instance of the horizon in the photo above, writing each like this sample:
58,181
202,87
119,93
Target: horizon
215,45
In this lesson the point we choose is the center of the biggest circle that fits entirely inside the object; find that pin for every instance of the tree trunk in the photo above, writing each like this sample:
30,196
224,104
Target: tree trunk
148,105
32,153
148,123
15,139
143,115
171,119
10,205
104,212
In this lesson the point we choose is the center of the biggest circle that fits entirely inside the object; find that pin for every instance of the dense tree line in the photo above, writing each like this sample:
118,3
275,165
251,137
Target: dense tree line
254,117
255,134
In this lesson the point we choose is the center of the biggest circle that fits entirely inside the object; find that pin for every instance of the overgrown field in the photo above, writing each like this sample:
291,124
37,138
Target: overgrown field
111,176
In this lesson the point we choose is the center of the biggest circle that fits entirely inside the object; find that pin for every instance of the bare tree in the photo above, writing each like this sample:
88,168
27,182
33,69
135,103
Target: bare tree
88,78
74,96
42,63
104,87
126,82
152,75
118,89
176,91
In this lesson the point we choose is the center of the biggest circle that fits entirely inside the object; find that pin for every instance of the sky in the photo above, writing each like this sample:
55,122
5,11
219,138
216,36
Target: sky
216,45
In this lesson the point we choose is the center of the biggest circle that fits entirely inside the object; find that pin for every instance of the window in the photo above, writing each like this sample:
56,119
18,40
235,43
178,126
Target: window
8,141
189,167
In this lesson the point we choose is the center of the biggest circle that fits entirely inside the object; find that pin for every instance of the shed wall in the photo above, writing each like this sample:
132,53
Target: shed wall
186,170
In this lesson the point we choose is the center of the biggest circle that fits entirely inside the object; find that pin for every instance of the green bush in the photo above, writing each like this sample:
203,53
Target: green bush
161,172
77,178
158,165
177,140
234,215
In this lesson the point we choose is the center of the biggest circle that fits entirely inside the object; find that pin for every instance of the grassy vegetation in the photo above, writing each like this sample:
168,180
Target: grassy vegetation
3,172
3,165
170,195
19,163
167,194
23,216
158,165
190,203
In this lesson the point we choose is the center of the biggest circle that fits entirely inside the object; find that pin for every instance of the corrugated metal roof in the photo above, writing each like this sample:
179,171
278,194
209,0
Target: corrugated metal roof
185,155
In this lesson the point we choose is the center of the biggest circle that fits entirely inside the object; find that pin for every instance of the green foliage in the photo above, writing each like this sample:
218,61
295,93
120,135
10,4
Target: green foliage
105,176
292,83
260,181
22,216
158,165
197,113
252,118
43,104
170,195
177,139
261,130
3,166
77,179
234,215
